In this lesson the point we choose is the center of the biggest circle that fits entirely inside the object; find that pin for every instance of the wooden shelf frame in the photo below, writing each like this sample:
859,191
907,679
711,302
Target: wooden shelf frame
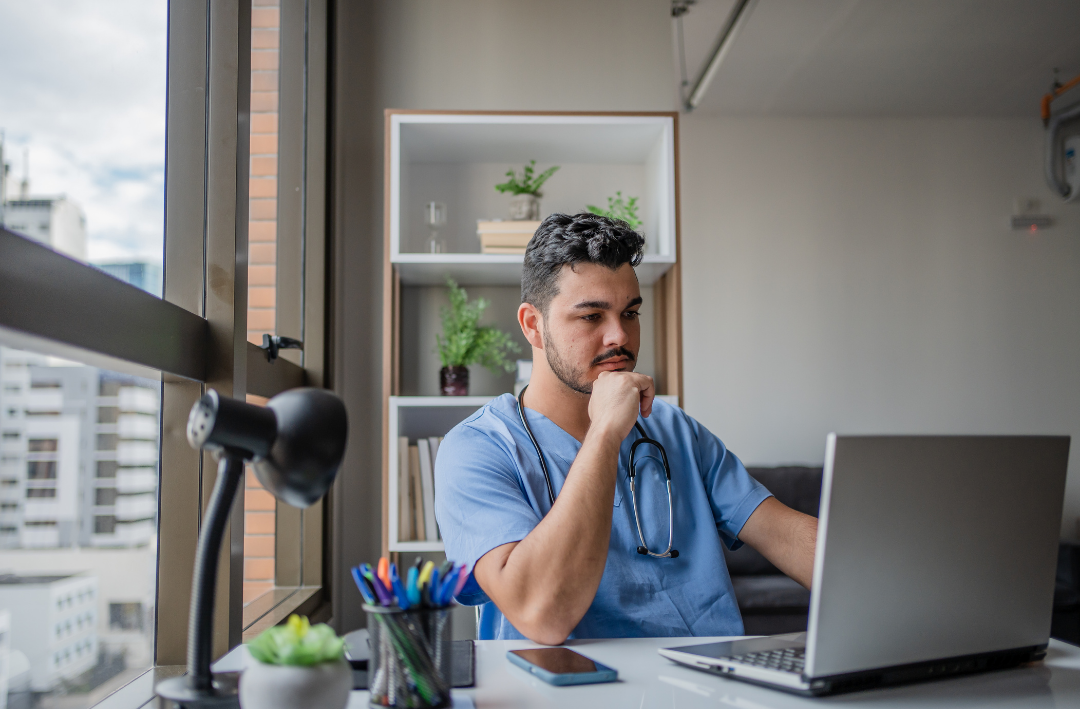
667,294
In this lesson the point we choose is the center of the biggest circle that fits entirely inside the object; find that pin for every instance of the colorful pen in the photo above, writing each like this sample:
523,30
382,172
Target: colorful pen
384,571
399,589
446,588
433,586
380,590
411,588
463,576
362,586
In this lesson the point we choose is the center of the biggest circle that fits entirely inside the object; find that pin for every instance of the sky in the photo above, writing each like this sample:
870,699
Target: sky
83,89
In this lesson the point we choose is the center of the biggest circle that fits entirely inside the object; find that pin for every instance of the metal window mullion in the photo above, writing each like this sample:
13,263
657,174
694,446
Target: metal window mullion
228,126
315,537
179,494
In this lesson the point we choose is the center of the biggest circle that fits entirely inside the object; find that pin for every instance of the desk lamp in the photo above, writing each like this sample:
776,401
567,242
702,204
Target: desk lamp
295,443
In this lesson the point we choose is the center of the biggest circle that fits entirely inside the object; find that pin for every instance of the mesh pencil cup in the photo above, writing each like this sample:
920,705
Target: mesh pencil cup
410,657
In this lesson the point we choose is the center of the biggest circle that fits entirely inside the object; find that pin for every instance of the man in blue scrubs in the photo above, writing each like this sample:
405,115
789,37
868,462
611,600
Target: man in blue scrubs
573,569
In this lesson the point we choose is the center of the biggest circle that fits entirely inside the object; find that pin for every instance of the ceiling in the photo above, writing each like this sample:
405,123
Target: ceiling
989,58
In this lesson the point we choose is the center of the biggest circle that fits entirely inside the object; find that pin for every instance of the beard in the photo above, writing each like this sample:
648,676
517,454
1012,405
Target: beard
576,376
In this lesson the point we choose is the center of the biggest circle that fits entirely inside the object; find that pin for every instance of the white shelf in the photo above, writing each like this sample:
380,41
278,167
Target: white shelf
458,158
493,269
421,417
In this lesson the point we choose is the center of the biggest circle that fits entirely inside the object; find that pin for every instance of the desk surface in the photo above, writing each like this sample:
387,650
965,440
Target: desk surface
648,680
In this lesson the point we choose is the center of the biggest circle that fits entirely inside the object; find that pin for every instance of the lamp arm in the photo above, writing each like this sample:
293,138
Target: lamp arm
201,616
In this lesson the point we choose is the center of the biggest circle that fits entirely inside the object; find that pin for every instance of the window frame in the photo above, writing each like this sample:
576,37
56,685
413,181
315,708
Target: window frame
195,337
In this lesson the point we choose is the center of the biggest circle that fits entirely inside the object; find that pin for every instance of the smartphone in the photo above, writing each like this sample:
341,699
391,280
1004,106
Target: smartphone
561,666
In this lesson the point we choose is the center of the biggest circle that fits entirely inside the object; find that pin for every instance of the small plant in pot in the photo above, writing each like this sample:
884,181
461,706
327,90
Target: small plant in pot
296,665
525,205
463,342
619,208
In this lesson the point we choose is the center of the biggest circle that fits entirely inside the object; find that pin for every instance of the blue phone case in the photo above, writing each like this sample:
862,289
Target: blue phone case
603,673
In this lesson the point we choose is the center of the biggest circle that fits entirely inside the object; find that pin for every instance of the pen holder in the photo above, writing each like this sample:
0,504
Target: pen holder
410,657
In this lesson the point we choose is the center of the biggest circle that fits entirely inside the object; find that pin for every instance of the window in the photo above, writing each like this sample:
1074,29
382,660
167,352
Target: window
41,492
42,445
105,524
106,422
107,441
125,616
41,470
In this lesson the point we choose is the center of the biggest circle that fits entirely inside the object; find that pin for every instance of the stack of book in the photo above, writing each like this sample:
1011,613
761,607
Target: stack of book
416,489
505,237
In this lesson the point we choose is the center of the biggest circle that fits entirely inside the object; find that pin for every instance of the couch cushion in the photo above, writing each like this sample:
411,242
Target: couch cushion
773,591
798,487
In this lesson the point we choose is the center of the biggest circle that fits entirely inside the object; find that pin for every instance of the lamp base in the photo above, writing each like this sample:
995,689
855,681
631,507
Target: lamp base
222,696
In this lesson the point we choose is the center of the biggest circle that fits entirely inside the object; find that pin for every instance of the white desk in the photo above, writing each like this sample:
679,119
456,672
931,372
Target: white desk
648,680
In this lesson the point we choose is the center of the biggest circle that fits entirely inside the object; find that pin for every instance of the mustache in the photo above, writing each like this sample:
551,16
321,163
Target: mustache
616,352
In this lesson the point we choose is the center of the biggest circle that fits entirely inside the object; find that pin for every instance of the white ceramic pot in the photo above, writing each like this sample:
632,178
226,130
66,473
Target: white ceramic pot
524,207
324,686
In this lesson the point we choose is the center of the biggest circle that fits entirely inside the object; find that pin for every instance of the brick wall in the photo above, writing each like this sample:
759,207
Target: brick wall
259,517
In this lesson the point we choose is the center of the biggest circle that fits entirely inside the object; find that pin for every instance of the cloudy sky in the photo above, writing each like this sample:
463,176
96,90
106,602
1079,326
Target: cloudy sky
83,88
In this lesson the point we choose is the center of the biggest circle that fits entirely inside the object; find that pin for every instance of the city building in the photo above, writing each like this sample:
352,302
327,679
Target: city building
54,623
140,274
56,221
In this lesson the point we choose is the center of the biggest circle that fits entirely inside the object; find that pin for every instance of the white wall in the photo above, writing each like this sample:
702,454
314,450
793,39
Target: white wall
860,276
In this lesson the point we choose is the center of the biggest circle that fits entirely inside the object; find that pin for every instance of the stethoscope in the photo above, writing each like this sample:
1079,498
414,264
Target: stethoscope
668,553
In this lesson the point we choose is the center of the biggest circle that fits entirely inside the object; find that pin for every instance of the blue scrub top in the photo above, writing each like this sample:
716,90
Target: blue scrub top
490,491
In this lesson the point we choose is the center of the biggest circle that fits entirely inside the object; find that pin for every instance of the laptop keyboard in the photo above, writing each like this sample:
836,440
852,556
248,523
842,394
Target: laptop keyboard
791,659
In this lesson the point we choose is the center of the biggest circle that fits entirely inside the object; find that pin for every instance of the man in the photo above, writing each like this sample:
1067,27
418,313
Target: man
573,569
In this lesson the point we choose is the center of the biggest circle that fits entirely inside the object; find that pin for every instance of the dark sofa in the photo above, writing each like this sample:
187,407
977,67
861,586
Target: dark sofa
771,602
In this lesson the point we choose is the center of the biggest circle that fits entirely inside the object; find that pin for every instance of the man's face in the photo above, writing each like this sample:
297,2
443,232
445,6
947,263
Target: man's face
592,325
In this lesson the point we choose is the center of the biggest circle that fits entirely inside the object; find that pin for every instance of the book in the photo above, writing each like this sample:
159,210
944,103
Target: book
427,487
505,237
415,493
433,443
406,529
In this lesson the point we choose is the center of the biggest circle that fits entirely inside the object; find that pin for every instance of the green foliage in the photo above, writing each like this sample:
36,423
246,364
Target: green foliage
464,342
528,184
297,642
618,208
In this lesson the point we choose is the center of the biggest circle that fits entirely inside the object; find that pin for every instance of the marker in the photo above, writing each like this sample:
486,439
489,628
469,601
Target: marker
463,576
411,588
361,584
425,572
446,588
380,590
399,590
384,571
433,587
444,568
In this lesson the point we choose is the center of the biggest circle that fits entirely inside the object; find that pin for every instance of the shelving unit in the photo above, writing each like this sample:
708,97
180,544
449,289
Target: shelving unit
456,158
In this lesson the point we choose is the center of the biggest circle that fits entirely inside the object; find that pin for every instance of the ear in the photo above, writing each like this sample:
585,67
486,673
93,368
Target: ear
530,320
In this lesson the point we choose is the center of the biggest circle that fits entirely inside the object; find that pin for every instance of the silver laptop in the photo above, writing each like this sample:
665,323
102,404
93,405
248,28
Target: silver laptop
935,557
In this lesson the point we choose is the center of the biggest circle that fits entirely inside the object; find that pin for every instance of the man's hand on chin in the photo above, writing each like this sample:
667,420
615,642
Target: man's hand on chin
616,399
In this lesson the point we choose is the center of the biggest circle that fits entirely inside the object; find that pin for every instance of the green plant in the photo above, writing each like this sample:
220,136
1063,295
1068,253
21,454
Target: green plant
463,341
297,642
618,208
528,184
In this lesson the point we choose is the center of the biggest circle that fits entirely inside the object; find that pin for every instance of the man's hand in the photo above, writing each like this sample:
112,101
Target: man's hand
616,399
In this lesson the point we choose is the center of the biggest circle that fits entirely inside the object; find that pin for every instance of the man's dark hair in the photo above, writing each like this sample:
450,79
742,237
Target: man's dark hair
562,239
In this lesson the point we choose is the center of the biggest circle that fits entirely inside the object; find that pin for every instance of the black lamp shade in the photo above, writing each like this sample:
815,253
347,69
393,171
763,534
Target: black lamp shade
311,430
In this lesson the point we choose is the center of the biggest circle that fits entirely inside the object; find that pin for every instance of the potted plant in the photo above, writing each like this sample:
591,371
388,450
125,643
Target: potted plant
525,205
618,208
463,342
296,665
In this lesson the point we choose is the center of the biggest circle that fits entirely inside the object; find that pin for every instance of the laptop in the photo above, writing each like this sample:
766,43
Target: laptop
935,557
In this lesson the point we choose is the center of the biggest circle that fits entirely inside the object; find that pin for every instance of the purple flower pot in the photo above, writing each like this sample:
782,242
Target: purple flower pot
454,381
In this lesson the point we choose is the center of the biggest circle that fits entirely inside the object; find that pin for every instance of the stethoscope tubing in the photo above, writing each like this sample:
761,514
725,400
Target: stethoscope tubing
668,553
